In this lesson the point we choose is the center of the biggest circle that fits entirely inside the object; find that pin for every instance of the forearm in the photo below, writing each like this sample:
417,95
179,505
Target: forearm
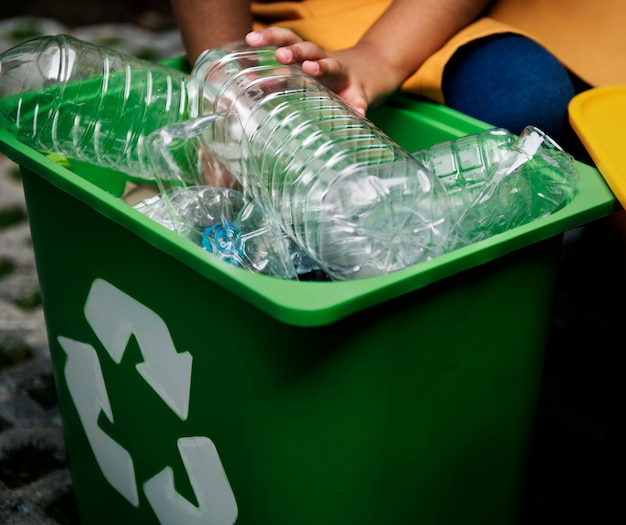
204,24
409,32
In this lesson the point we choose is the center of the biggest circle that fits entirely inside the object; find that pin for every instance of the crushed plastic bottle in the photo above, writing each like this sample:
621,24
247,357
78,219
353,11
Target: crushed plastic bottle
464,165
226,225
497,181
89,102
356,202
200,200
534,179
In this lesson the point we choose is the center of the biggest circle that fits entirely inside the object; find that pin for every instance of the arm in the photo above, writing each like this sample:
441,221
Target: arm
394,47
205,24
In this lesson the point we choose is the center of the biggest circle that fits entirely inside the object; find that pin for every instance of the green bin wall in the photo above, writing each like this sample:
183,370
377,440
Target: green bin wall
193,392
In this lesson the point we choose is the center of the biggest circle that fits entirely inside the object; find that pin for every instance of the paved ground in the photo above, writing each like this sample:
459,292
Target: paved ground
33,474
577,463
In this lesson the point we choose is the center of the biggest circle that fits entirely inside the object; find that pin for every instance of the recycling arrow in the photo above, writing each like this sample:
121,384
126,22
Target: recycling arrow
217,505
114,316
86,384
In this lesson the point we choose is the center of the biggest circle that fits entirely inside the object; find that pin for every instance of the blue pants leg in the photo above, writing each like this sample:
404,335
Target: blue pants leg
510,81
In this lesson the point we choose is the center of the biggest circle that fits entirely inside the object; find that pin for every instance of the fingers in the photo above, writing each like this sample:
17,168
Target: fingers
315,61
332,74
273,36
358,103
291,48
323,67
300,53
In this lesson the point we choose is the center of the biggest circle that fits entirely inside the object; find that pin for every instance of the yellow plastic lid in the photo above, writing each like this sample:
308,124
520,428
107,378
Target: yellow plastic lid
599,118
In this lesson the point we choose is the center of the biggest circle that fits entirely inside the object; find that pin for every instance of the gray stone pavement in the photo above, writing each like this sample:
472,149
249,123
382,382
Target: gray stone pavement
33,473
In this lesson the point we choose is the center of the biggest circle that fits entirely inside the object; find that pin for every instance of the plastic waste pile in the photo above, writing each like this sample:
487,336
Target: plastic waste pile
267,169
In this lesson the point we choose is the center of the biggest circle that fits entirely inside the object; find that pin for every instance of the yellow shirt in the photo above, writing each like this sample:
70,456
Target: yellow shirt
588,37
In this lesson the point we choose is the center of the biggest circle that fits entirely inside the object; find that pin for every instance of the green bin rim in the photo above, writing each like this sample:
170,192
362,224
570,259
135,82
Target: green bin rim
321,303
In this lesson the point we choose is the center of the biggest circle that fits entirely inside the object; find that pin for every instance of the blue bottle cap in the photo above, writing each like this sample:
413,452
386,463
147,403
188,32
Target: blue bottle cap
225,239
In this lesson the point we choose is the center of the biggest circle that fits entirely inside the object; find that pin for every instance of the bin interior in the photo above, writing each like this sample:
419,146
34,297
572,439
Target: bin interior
414,124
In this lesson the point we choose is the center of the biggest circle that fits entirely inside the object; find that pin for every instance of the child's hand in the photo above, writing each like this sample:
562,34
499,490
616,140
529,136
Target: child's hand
328,67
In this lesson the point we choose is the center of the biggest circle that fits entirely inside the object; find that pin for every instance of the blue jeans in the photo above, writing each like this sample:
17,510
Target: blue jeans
510,81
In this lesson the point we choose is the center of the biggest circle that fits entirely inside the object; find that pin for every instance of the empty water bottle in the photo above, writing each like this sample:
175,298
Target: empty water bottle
497,181
197,200
356,202
89,102
226,225
465,165
535,178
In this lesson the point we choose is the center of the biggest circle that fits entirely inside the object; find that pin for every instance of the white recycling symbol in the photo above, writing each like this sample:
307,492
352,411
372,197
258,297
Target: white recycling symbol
114,317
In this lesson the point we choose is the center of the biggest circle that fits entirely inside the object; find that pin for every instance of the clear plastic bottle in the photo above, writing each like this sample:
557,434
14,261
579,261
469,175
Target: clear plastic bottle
199,199
89,102
356,202
226,225
497,181
534,179
465,165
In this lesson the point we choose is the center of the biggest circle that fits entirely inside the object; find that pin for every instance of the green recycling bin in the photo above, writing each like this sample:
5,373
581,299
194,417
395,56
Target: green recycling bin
193,392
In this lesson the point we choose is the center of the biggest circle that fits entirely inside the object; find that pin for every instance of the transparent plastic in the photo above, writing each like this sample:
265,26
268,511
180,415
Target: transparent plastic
201,200
269,170
89,102
497,181
226,225
464,165
356,202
